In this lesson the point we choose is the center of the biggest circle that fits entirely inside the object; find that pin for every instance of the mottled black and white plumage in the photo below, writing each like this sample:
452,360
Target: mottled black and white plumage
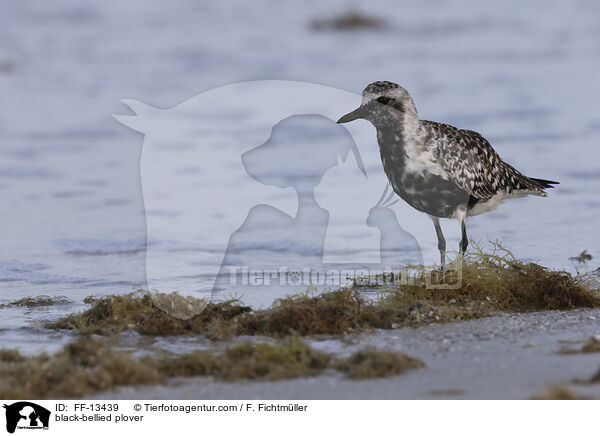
436,168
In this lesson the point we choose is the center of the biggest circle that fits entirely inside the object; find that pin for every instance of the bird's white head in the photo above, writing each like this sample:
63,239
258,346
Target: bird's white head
384,102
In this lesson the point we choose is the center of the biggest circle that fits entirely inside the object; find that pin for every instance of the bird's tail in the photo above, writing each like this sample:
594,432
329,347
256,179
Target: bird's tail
545,183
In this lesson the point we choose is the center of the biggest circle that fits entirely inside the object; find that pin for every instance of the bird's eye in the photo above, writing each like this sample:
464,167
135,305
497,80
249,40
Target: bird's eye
383,100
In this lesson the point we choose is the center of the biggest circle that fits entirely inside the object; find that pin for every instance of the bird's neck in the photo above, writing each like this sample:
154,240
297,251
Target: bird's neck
398,132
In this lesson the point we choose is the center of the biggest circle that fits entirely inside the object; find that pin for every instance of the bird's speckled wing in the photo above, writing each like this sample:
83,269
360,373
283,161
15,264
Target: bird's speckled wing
472,163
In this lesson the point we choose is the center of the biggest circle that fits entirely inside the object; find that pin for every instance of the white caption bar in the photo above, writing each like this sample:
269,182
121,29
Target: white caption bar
82,417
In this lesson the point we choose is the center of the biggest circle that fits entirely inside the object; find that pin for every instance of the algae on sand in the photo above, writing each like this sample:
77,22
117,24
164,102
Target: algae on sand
290,359
492,282
328,313
372,363
592,345
38,301
560,393
348,21
138,311
91,365
81,368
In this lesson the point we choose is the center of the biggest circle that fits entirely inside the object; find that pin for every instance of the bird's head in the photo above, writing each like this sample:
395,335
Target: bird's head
383,101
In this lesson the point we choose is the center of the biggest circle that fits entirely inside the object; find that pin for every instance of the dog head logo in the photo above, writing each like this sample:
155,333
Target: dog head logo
26,415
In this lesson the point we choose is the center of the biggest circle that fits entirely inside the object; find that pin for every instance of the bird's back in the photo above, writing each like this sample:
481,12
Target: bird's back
470,161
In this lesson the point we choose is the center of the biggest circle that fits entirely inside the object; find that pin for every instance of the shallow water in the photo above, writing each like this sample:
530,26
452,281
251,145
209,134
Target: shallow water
73,220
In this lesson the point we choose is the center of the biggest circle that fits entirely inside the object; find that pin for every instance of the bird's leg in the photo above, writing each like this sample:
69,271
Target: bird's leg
464,242
441,241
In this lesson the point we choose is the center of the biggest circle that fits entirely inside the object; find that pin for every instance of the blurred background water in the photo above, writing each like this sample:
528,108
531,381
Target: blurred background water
72,222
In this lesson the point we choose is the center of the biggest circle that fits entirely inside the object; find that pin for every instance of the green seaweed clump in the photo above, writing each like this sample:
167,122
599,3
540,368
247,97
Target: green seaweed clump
291,359
348,21
372,363
39,301
140,311
592,345
514,286
92,365
560,393
81,368
489,283
334,313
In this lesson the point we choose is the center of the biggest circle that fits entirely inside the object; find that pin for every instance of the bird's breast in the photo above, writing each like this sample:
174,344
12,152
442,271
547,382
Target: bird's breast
418,179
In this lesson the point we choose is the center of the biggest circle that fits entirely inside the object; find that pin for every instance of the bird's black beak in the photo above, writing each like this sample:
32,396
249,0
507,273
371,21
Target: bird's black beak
354,115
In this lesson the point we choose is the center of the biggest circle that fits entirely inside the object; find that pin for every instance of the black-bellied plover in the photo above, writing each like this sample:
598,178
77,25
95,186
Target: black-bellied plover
436,168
